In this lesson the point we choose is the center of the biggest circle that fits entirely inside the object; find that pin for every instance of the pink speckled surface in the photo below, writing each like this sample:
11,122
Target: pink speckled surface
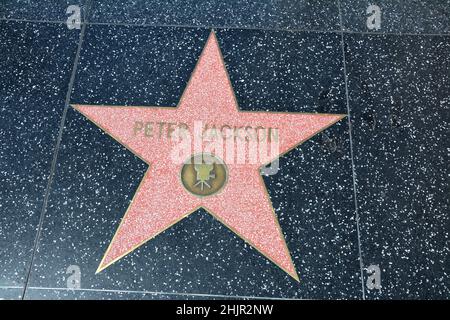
243,205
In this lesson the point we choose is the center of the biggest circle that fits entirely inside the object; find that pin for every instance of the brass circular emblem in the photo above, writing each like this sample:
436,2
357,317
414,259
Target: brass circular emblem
204,175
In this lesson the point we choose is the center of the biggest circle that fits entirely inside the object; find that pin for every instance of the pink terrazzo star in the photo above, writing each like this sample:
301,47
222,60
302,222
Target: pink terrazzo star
243,204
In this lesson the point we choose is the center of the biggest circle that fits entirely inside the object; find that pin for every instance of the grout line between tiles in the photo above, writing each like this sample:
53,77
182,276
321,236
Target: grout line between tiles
163,293
156,25
55,153
358,232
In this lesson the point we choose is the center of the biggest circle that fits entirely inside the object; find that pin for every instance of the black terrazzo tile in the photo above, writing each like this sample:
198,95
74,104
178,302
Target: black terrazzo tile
299,72
129,65
285,71
36,63
48,10
11,293
400,101
399,16
69,294
267,14
96,177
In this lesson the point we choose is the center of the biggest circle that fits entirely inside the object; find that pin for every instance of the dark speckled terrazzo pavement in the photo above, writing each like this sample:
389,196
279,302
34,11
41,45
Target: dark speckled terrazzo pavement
375,194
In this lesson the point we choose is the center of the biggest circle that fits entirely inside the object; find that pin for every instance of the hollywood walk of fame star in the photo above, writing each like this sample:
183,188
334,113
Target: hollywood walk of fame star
240,200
